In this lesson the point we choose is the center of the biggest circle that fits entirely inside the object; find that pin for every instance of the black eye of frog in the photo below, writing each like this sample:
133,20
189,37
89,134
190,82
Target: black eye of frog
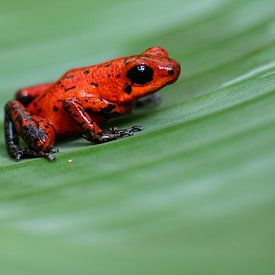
140,74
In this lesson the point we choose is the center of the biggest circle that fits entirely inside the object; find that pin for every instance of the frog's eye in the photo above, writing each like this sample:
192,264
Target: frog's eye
140,74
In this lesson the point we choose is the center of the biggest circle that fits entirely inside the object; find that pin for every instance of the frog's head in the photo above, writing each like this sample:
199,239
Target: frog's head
148,72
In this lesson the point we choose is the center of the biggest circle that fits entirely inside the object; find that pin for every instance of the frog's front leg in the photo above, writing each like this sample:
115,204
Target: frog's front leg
77,107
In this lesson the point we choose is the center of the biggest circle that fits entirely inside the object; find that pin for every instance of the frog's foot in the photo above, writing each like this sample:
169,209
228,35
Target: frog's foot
115,133
30,153
125,132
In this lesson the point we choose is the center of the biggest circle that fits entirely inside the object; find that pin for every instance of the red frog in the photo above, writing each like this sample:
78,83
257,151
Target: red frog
82,98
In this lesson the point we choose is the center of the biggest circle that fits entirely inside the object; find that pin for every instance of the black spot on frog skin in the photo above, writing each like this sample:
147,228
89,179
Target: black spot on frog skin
118,76
69,88
86,71
55,108
95,85
128,89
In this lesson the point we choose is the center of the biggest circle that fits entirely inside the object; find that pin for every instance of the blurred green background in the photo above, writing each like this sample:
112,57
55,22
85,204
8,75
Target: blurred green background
191,194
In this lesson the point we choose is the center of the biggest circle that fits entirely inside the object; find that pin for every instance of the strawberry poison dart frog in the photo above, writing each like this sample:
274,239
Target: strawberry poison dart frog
81,99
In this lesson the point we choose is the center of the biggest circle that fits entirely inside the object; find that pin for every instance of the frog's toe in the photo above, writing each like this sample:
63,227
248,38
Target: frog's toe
51,157
125,132
19,154
30,153
54,150
120,132
136,128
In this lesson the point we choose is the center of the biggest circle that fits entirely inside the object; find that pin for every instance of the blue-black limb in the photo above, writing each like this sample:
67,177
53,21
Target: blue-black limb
37,134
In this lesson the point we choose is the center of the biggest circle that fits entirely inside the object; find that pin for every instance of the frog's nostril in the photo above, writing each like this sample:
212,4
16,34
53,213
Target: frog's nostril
171,72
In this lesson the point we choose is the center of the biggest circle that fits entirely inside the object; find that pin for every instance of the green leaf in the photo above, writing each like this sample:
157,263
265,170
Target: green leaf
191,194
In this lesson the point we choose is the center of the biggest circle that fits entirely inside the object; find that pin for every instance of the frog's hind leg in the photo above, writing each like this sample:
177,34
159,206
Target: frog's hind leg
27,94
12,139
37,132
